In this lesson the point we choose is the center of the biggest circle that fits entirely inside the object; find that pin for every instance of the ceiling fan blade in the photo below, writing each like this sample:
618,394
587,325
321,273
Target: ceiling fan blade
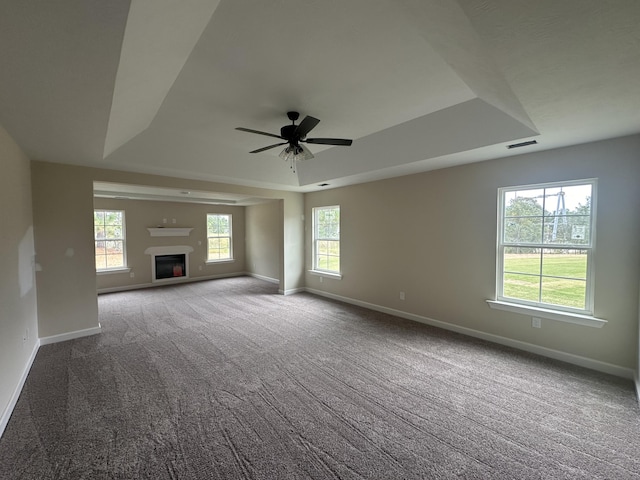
306,126
259,132
329,141
269,147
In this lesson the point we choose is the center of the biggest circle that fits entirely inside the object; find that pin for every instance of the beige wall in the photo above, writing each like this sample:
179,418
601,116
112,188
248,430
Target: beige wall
18,303
433,236
63,213
263,239
140,214
63,219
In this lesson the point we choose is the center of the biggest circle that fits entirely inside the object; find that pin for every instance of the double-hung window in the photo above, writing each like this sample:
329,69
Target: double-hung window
219,245
326,239
109,237
546,241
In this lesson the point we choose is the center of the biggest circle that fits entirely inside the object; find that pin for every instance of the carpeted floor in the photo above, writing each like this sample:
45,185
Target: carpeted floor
226,379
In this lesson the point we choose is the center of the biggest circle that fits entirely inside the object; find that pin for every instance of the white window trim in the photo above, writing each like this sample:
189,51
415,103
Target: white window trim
221,260
319,271
551,312
325,273
548,313
124,268
109,271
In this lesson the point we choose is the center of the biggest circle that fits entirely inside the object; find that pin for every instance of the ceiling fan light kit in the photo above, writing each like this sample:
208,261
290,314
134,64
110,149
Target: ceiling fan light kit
295,134
295,154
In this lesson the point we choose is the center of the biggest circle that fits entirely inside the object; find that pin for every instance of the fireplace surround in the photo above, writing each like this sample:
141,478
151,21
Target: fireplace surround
169,263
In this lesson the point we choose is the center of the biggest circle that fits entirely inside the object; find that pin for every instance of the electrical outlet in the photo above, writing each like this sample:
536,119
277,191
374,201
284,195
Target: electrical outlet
320,279
132,274
536,322
401,295
199,267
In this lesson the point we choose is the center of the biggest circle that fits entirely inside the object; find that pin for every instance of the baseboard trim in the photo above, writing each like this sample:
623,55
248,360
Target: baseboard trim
291,291
637,381
140,286
527,347
262,277
63,337
8,411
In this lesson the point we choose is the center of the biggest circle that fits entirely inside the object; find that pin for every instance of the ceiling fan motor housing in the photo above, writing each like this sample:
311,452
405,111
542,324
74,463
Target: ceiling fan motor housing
288,131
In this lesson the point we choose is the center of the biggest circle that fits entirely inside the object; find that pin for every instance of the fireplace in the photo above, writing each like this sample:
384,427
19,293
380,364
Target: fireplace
169,264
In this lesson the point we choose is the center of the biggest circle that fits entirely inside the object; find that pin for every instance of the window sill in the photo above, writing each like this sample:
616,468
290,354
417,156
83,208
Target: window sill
337,276
113,270
557,315
226,260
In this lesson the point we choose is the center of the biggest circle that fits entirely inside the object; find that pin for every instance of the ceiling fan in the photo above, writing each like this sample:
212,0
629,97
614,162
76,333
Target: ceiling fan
293,135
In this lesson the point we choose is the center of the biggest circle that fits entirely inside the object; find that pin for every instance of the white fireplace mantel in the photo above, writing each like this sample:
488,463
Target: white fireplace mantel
169,232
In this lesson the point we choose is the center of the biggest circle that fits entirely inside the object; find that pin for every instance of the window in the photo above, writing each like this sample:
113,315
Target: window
109,236
218,237
326,239
545,245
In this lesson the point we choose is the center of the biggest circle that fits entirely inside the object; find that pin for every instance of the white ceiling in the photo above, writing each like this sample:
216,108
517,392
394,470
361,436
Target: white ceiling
158,86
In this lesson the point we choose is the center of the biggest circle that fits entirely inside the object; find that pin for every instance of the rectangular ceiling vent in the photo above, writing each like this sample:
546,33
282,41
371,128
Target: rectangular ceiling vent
523,144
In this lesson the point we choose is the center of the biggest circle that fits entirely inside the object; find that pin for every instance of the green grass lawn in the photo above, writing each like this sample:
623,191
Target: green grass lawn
569,291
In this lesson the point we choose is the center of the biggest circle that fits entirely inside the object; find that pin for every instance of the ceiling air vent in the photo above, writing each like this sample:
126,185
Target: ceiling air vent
523,144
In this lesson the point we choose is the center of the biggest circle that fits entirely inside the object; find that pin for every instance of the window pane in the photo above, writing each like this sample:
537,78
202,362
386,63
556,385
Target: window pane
333,248
113,246
563,292
224,248
115,260
522,260
526,203
113,232
563,263
113,218
327,262
523,287
101,262
323,248
333,264
567,229
523,230
98,218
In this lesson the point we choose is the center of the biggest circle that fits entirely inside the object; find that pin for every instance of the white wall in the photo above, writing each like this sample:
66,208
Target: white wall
18,310
433,236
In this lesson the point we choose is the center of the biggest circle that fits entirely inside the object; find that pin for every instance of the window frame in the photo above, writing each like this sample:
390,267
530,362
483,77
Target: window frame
589,248
229,237
316,239
123,239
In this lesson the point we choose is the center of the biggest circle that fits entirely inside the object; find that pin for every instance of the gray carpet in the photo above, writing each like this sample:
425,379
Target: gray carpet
226,379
